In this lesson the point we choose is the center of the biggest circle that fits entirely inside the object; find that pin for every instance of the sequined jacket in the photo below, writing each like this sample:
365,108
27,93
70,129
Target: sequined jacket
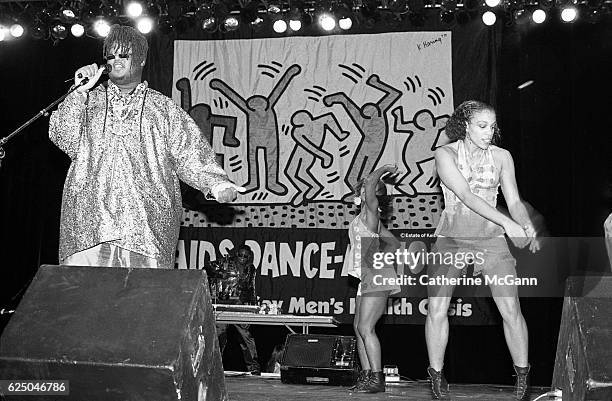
128,152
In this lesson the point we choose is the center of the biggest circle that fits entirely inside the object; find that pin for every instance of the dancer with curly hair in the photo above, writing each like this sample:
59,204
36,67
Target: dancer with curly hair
472,169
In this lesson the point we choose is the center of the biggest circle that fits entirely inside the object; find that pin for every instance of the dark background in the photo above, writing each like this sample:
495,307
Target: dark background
557,129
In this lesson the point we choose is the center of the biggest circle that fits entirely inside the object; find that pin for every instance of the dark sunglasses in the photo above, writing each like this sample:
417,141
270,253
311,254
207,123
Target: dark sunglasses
112,56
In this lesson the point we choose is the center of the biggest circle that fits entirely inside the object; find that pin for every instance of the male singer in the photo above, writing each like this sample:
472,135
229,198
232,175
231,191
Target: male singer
129,145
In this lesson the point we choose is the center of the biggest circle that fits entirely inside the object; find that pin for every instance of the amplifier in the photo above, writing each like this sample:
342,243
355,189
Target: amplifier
116,334
583,366
320,359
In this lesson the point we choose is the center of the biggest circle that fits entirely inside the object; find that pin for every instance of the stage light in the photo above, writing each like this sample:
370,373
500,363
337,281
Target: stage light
345,15
205,14
77,30
569,14
134,9
295,25
520,16
492,3
258,23
345,23
489,18
209,24
279,26
230,23
538,16
3,33
102,28
221,12
295,19
274,8
59,31
144,25
16,30
254,14
67,14
327,22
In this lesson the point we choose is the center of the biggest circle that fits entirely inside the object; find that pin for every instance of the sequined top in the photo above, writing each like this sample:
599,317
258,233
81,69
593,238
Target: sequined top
356,255
128,152
482,175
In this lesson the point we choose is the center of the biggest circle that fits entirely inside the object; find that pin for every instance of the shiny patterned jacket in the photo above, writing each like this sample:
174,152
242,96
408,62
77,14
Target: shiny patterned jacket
127,154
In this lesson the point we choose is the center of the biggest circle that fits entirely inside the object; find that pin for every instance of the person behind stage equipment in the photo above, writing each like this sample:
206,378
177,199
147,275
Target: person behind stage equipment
237,284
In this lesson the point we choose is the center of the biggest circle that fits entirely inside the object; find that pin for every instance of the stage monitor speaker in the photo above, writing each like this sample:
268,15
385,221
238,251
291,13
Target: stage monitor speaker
583,366
116,334
319,358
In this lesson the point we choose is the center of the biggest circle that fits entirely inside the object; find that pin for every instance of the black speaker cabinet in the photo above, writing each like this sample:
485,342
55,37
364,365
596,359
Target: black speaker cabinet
319,358
116,334
583,365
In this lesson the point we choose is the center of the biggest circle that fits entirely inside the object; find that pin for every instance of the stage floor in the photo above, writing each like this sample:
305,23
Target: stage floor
253,388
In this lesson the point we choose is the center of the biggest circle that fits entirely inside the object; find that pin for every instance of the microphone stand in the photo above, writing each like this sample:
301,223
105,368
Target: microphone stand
43,112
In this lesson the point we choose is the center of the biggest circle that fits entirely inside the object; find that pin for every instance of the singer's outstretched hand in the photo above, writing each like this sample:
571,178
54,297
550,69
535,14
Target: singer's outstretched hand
92,72
230,193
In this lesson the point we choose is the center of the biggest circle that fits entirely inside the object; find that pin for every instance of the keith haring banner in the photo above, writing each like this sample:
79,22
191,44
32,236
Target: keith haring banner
298,122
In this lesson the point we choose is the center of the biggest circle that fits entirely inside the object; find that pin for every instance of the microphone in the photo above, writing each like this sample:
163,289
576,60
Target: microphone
107,69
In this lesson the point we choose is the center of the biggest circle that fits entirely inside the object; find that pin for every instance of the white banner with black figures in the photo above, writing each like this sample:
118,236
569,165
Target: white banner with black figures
298,122
303,119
